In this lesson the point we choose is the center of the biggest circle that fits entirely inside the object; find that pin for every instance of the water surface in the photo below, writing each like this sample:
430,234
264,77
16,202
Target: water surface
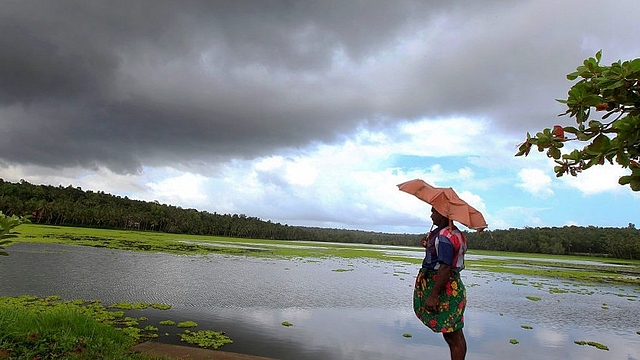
339,308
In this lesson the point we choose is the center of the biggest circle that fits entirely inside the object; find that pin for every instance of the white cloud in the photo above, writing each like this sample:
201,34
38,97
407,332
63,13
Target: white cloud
597,179
353,184
181,189
536,182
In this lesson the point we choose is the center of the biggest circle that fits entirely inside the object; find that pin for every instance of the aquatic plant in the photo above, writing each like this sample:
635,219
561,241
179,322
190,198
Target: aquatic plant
514,341
167,322
187,324
160,306
407,335
592,343
206,338
286,323
526,327
533,298
129,306
558,291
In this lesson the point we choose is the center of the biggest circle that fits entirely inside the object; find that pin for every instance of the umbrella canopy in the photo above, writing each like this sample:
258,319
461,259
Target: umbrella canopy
446,202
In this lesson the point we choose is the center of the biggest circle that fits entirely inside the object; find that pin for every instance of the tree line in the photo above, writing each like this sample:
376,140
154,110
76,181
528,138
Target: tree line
72,206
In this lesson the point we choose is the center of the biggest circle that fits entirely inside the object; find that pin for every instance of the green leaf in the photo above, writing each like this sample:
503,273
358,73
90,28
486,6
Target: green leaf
553,153
570,130
634,65
574,75
600,143
624,180
595,124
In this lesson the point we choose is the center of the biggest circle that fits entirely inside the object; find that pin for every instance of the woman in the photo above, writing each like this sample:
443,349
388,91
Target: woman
439,296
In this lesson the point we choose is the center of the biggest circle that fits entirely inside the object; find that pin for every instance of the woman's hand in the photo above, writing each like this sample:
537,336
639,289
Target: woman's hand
431,304
424,241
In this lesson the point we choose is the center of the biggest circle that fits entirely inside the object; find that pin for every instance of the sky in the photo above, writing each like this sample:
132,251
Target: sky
309,112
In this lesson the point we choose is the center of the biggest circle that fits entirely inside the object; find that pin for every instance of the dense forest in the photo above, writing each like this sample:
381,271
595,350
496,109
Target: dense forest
72,206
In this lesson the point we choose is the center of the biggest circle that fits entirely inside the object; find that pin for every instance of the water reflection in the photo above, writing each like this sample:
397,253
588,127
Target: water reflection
340,309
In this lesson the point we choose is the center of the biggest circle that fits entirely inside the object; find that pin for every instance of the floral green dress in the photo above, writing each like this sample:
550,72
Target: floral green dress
452,302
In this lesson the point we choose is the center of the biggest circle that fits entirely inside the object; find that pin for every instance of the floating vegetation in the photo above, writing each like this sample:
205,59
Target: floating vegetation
206,338
592,343
407,335
130,306
286,323
533,298
527,265
160,306
129,321
526,327
187,324
514,341
341,270
558,291
167,322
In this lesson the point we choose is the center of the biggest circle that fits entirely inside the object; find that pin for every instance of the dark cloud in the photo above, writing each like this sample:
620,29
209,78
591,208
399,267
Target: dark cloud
124,84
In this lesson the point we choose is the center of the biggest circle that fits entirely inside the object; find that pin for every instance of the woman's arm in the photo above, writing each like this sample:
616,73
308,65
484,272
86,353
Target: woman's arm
444,272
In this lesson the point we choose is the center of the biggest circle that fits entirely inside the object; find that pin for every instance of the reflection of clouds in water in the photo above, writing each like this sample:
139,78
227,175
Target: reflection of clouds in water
550,337
476,331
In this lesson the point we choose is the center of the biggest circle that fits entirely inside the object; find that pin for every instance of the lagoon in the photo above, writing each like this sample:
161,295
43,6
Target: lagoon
339,308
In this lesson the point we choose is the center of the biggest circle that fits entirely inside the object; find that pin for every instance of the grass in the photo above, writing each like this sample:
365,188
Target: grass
50,328
42,329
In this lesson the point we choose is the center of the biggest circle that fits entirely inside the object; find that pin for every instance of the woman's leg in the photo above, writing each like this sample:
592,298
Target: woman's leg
457,344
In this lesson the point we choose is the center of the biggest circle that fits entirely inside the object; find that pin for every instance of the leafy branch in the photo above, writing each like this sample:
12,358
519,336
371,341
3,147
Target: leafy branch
7,223
611,92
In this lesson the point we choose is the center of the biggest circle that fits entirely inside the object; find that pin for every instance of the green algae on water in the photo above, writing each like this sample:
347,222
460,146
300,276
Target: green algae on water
206,338
592,343
187,324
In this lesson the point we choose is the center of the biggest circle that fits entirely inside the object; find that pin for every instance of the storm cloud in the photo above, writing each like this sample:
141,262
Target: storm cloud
124,84
305,112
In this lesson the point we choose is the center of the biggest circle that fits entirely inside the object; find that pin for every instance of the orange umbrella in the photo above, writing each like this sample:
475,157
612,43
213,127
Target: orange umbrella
446,202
